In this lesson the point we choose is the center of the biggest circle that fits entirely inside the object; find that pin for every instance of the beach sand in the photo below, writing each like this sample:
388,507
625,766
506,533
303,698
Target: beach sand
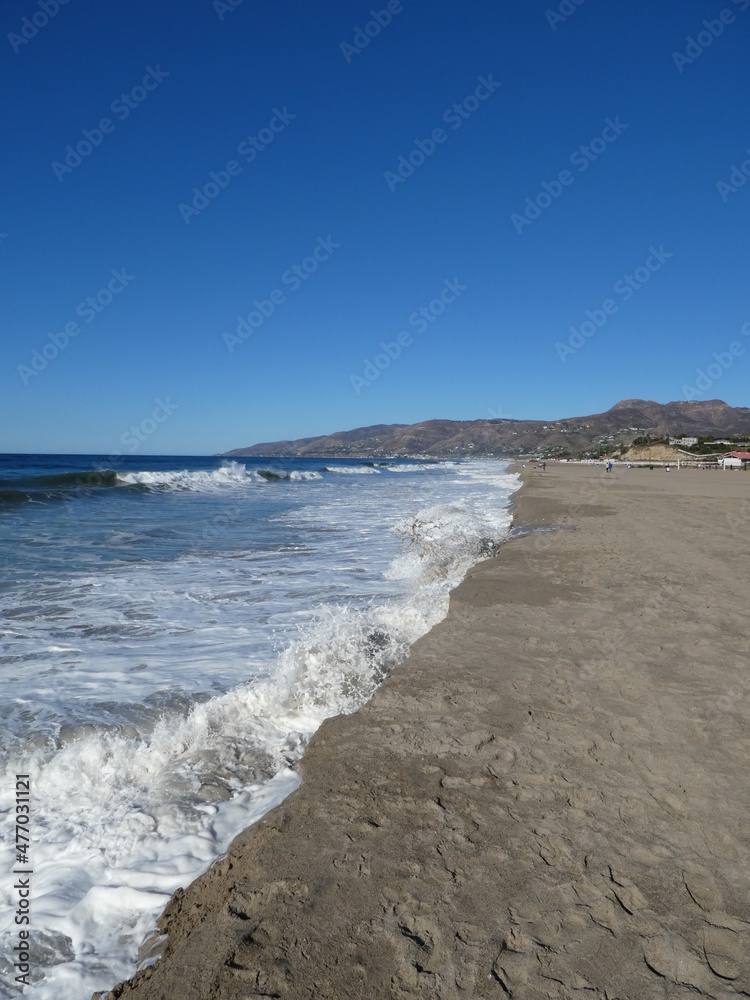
548,799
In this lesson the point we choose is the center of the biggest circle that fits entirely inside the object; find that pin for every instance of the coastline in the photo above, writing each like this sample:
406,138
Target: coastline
547,796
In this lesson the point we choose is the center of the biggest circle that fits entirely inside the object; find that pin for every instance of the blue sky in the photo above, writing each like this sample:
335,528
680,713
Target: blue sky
369,161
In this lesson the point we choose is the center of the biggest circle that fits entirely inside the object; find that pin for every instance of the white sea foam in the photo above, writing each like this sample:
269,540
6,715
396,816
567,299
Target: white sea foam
352,470
230,474
301,476
414,467
125,813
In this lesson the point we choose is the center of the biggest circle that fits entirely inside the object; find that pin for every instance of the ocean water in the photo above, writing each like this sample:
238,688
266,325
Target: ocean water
171,634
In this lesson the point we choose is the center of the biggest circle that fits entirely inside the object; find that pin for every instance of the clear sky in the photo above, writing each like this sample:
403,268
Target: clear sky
503,167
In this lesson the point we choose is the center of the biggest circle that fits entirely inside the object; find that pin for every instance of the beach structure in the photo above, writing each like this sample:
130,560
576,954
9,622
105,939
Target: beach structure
735,460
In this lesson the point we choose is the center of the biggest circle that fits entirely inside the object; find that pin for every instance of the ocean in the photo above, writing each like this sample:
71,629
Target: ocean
172,633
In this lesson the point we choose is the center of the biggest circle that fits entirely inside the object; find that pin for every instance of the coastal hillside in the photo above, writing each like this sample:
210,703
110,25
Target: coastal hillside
618,427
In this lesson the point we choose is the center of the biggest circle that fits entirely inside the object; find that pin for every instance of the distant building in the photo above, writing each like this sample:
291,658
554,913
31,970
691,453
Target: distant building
735,460
684,442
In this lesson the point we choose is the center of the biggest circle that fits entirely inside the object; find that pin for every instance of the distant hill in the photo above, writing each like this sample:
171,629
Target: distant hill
625,421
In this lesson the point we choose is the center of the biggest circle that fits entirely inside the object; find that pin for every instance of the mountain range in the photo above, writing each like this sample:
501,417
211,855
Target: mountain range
506,437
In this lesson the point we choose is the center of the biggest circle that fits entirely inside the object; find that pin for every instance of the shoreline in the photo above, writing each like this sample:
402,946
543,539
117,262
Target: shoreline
547,796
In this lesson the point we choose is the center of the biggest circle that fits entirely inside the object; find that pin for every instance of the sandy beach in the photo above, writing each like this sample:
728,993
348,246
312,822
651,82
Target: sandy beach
548,799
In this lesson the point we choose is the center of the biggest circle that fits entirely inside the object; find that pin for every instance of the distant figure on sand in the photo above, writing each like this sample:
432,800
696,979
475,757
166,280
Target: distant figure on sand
609,466
544,466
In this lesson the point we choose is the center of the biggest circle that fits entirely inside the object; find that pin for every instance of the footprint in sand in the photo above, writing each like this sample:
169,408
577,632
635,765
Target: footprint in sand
726,952
722,845
668,799
702,888
671,958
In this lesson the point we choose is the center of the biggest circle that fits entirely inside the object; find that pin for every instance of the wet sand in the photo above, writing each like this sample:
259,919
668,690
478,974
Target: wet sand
548,799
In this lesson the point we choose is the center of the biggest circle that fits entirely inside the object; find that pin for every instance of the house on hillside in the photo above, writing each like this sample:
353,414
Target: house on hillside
684,442
735,460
